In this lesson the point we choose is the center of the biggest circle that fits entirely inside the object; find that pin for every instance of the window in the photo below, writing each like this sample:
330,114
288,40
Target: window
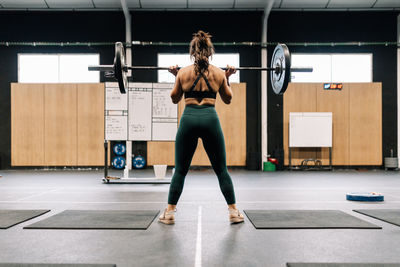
335,68
182,60
57,68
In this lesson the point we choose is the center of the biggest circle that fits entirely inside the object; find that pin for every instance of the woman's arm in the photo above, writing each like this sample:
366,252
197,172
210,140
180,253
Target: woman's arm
226,91
177,92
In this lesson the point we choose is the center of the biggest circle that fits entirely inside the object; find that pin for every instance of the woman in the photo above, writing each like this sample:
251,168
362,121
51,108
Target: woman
200,83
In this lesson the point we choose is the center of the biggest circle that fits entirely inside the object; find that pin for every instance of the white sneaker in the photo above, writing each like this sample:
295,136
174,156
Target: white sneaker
235,216
167,217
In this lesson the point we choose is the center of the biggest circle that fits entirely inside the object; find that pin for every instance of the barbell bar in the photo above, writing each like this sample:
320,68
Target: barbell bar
280,69
111,68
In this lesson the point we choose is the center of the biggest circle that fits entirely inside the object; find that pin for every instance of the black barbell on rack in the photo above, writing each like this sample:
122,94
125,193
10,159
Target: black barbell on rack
280,69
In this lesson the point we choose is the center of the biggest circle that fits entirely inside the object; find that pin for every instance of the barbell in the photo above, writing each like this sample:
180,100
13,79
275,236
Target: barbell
280,69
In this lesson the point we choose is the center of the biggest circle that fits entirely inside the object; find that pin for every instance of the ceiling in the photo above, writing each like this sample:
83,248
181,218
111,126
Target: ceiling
97,5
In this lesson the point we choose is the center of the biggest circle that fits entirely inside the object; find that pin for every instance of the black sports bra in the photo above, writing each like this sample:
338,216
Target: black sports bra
201,94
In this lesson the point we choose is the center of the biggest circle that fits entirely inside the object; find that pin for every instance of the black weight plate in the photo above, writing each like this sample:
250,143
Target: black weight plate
281,60
119,67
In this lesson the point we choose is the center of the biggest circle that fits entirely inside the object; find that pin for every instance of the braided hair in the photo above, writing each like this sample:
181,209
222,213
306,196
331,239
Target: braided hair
201,48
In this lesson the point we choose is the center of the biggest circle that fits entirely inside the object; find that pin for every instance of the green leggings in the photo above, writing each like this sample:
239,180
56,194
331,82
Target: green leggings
200,122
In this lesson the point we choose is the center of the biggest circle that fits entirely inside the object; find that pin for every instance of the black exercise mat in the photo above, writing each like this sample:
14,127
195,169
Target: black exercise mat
305,264
387,215
306,219
9,218
54,265
98,219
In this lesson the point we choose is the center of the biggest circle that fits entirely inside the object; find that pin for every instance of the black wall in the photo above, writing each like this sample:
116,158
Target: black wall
224,26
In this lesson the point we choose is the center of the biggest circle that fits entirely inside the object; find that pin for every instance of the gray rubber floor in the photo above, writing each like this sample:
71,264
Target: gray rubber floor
306,219
98,219
202,234
9,218
390,216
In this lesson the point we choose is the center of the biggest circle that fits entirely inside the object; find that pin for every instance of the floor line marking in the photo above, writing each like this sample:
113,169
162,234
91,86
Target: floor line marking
36,195
182,202
198,241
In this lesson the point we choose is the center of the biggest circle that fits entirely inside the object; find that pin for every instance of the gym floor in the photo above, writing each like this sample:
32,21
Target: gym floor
210,241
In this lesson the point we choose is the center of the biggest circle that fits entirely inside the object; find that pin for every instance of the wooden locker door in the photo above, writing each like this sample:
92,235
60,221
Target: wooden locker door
60,124
27,124
90,124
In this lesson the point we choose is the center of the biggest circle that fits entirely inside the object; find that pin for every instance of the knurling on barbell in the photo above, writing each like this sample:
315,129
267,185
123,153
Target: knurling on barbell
280,69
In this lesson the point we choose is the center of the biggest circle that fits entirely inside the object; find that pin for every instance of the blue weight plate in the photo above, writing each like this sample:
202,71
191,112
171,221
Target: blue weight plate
139,162
365,196
118,162
119,149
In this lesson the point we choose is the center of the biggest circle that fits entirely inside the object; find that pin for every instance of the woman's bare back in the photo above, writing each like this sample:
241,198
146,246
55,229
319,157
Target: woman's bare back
216,78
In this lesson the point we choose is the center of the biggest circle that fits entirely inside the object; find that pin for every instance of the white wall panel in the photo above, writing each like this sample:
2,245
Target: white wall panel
387,3
70,3
211,4
304,3
254,3
351,4
23,4
115,3
163,3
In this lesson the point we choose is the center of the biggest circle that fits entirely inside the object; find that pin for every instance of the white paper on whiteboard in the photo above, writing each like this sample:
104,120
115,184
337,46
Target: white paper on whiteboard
164,131
162,103
114,99
140,86
116,128
310,129
140,108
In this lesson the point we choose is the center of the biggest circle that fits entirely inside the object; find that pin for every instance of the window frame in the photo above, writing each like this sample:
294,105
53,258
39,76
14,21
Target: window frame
371,56
58,65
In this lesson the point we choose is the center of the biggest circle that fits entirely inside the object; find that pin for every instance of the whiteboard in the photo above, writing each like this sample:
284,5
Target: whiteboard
144,113
164,131
140,108
165,113
162,103
116,128
114,99
310,129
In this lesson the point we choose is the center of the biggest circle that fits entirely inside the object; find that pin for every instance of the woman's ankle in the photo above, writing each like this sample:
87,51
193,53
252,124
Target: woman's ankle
171,207
232,207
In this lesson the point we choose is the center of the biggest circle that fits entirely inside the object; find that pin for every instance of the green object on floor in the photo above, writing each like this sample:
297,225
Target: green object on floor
269,167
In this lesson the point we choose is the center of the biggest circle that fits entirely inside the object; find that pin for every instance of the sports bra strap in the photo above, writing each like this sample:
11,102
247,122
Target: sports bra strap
201,94
196,81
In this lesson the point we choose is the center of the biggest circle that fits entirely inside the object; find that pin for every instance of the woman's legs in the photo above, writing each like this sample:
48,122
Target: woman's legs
185,146
214,144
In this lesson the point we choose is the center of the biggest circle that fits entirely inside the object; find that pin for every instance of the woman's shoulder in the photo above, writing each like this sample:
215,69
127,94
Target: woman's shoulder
217,70
187,68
